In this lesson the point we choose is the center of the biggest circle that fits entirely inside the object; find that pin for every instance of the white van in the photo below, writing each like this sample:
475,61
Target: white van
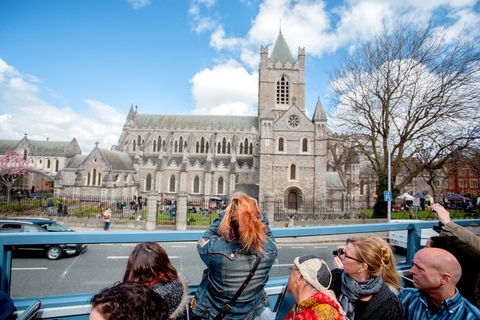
399,238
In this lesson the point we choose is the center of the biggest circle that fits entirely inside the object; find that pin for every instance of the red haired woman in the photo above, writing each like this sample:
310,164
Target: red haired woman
229,248
149,264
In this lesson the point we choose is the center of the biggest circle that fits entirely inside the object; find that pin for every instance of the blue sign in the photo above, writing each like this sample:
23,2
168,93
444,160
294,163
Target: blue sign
387,195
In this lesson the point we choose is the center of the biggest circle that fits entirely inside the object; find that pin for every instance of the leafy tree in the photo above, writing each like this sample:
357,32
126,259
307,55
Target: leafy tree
12,167
410,86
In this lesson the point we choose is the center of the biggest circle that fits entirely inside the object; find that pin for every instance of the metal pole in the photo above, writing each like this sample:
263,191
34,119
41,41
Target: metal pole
389,208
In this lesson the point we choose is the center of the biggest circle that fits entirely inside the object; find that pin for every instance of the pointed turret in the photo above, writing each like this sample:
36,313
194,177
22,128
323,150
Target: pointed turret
281,51
319,114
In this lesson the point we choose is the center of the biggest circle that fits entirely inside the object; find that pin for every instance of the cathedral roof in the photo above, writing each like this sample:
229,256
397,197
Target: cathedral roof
281,51
7,145
334,181
76,161
42,147
118,161
319,114
196,121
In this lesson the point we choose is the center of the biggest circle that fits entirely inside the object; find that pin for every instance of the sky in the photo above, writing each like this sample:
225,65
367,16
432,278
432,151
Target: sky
72,69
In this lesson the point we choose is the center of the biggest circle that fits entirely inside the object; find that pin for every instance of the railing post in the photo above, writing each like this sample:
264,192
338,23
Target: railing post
151,211
270,208
181,217
414,242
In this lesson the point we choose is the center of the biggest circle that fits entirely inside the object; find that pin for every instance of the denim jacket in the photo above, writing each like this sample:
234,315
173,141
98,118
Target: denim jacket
228,265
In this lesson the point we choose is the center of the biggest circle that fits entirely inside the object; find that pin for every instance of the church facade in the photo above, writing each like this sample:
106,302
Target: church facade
280,152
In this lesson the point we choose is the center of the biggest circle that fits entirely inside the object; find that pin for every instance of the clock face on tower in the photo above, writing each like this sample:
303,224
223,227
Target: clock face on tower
293,121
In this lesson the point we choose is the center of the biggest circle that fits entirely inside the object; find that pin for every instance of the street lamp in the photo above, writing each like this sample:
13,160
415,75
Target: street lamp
389,208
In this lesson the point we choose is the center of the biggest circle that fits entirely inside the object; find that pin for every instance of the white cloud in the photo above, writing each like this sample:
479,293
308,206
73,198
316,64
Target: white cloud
226,89
137,4
21,104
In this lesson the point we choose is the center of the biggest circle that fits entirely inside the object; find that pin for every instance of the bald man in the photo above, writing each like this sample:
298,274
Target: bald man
435,274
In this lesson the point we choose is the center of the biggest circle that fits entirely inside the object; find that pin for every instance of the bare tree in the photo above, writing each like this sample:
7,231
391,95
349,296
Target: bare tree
411,87
12,167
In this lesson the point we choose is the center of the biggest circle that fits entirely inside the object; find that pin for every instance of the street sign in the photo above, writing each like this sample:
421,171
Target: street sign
416,202
387,195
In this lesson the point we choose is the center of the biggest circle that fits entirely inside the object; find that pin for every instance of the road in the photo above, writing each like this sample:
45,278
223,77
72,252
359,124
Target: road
103,264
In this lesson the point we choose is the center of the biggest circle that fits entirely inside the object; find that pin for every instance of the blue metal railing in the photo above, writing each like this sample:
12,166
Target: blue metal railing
80,300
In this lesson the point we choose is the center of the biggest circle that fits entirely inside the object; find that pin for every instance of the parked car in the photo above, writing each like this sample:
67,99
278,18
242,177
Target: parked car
52,251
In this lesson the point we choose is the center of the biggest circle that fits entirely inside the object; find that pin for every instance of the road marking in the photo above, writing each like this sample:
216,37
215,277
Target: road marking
129,244
175,257
320,247
282,265
117,257
179,246
297,247
105,244
20,269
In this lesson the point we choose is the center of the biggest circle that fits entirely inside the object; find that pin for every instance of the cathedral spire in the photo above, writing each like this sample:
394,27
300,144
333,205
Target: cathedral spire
281,51
319,114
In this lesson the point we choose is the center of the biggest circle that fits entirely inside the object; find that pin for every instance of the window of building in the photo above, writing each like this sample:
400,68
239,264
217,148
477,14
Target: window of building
202,145
24,154
134,146
39,162
241,148
197,149
229,147
462,183
117,177
462,172
251,148
280,145
473,183
220,186
246,146
139,141
282,91
180,145
148,182
196,184
99,179
305,145
362,187
88,178
48,163
293,172
206,147
224,145
94,177
172,184
176,146
154,146
55,163
159,144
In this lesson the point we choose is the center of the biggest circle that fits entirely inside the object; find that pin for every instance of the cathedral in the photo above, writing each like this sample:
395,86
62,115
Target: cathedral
280,152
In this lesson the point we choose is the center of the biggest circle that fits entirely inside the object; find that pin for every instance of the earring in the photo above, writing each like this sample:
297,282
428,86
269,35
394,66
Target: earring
360,272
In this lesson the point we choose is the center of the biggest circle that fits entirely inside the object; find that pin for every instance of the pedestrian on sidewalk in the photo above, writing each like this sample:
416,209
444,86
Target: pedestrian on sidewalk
106,216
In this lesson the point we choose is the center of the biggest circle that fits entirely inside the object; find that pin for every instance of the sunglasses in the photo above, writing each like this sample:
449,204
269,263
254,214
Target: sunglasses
293,268
352,258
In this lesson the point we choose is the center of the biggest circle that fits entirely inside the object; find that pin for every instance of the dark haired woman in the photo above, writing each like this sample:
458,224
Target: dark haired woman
128,300
149,264
230,248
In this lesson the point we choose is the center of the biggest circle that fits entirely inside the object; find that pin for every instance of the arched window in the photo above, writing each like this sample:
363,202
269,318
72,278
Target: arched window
176,146
88,178
280,144
99,179
56,165
48,163
139,142
134,145
282,91
305,145
196,184
206,147
219,147
220,186
241,148
24,154
228,148
117,177
246,146
293,172
148,182
180,145
197,149
172,184
251,148
224,145
154,146
202,146
94,177
159,144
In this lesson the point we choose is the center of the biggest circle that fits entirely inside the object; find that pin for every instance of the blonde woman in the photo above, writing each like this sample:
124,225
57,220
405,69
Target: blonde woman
229,249
361,285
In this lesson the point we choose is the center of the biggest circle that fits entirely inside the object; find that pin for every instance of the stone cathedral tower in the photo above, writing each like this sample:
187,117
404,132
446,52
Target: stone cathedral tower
293,148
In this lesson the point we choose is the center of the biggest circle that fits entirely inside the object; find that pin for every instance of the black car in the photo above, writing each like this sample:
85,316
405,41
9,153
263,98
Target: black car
52,251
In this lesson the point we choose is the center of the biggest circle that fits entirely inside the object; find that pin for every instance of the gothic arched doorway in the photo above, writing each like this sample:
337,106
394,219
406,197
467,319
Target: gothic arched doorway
292,200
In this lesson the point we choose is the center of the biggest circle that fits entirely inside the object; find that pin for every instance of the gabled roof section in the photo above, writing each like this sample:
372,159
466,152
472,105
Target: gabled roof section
334,181
319,114
7,145
281,51
197,121
118,161
75,162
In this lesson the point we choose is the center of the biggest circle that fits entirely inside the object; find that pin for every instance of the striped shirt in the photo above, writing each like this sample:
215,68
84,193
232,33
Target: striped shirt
456,307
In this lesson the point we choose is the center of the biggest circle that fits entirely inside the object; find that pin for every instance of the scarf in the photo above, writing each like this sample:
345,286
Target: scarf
321,305
352,290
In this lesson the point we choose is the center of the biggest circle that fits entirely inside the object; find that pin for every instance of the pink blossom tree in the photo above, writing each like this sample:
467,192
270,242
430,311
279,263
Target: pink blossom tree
12,167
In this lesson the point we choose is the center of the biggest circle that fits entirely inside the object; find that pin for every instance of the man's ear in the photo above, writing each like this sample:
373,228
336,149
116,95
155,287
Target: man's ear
445,278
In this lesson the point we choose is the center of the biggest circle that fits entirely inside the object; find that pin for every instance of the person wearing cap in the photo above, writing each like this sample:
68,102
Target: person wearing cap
308,284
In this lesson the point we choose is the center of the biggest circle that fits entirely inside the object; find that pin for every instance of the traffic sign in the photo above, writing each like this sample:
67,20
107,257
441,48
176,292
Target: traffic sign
387,195
416,202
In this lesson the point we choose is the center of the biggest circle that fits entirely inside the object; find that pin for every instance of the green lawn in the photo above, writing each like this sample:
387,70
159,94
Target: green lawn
421,214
